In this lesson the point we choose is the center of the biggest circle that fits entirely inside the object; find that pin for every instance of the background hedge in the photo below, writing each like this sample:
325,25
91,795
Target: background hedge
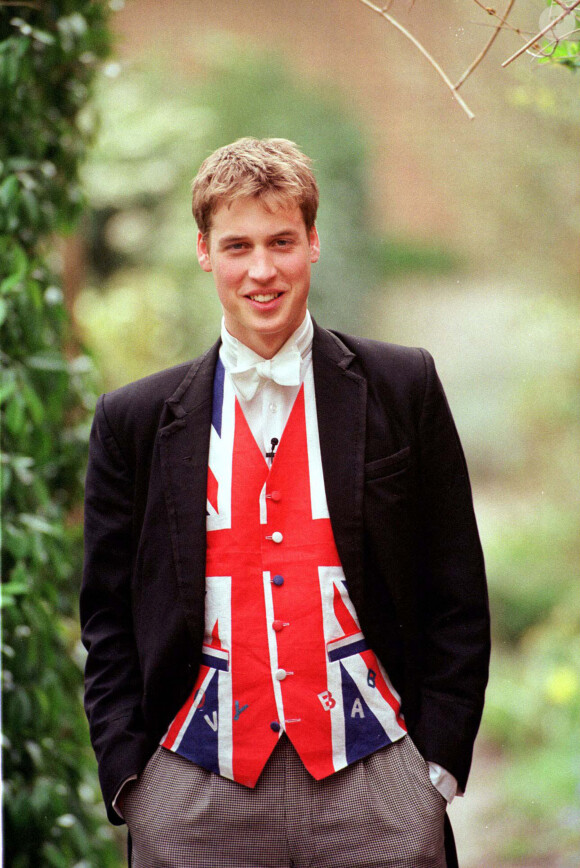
49,53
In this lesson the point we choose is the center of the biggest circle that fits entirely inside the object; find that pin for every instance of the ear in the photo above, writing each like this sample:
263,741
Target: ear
203,252
314,244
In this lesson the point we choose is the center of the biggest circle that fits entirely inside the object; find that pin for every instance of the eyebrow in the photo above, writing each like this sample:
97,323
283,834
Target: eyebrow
233,239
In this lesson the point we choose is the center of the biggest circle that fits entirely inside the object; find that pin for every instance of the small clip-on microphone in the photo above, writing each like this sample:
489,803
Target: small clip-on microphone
273,443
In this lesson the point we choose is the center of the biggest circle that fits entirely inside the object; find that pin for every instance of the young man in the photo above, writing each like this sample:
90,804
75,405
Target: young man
284,600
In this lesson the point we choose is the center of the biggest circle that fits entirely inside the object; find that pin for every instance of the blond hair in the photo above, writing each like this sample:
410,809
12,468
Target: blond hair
270,169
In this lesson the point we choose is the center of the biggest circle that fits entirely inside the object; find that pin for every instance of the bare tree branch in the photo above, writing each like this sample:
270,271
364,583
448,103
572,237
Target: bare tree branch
490,42
542,32
492,12
381,11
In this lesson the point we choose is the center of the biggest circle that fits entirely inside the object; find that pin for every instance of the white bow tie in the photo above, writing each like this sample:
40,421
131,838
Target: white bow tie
283,369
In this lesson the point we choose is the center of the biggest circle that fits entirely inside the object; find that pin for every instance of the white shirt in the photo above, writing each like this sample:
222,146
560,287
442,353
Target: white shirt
268,411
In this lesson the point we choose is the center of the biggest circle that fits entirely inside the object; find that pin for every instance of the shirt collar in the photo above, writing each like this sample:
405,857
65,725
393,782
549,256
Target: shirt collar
232,350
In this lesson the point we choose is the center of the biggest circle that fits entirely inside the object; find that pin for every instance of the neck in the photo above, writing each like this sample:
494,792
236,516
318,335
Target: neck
265,345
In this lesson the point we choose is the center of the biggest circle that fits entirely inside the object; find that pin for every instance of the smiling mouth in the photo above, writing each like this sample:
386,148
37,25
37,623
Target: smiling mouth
264,297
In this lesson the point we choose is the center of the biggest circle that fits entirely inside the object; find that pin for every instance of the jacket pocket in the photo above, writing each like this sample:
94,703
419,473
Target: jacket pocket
388,466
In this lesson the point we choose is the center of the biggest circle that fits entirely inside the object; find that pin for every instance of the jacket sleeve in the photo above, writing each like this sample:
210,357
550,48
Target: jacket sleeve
454,605
113,684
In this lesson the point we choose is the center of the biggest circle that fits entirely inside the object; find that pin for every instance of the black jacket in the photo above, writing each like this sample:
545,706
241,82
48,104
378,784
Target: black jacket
401,510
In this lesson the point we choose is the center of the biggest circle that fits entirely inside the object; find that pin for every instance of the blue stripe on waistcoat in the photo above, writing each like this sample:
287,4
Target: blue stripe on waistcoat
347,650
216,659
218,397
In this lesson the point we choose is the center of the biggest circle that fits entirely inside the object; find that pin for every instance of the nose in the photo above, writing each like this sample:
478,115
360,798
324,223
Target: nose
262,268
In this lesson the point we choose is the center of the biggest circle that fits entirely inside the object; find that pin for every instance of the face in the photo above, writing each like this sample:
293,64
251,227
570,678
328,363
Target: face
260,260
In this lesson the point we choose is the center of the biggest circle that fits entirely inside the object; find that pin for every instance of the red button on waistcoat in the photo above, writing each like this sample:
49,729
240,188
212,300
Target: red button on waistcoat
276,496
277,626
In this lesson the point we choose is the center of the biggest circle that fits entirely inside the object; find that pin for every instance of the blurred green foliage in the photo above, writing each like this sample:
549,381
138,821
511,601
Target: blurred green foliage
150,305
48,57
397,257
561,46
532,551
532,713
532,567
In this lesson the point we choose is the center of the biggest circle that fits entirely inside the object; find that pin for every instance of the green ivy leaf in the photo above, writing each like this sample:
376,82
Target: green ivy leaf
14,417
47,362
11,590
39,524
9,193
34,405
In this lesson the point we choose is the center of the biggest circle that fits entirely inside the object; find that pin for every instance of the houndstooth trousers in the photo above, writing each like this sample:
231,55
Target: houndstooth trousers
380,812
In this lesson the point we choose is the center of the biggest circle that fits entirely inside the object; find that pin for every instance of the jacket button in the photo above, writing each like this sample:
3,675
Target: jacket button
275,726
280,674
278,580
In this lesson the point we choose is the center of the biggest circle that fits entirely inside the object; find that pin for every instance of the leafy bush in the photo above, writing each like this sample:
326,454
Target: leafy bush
532,567
48,56
532,711
531,545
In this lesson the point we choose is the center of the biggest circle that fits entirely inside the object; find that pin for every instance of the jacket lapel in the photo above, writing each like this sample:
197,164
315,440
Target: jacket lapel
341,397
184,445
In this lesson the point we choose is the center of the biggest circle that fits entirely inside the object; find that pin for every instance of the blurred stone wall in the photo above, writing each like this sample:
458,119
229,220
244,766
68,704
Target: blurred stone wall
503,189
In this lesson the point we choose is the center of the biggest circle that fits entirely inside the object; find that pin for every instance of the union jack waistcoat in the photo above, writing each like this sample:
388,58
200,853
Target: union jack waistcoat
283,649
